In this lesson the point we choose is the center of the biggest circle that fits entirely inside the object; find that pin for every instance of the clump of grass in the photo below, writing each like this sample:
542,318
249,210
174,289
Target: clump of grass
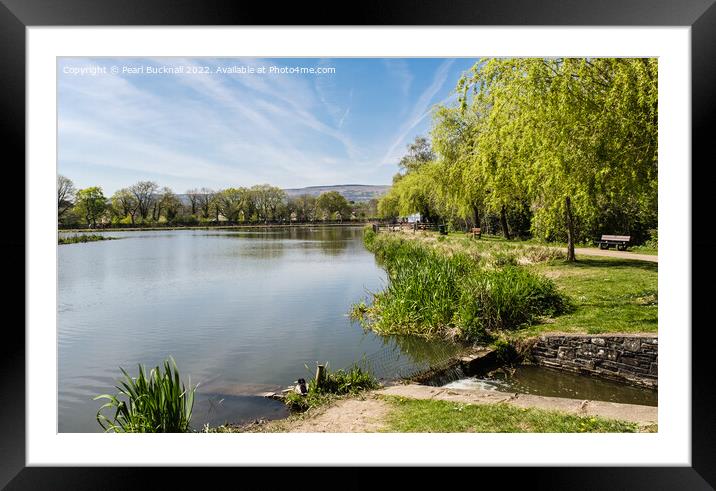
358,311
76,239
341,382
504,258
506,299
540,254
155,403
431,292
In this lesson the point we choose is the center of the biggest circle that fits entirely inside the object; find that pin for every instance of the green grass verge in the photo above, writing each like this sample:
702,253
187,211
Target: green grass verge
435,416
610,295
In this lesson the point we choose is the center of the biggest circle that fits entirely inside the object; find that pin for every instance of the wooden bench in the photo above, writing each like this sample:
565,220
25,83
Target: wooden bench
424,226
476,233
619,241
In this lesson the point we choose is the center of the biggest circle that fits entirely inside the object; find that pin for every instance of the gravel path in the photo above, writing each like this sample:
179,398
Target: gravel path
593,251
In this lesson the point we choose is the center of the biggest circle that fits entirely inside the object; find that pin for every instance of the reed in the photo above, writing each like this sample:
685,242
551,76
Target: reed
157,402
431,292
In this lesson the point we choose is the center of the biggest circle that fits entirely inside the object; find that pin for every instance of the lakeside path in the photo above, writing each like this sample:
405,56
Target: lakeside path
589,251
367,413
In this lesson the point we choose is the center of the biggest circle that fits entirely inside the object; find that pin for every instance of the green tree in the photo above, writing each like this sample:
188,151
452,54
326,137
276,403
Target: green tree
170,203
124,204
304,207
229,202
333,203
572,134
90,204
267,199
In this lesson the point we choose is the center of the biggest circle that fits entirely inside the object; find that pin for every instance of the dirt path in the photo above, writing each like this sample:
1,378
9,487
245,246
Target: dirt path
346,416
593,251
366,414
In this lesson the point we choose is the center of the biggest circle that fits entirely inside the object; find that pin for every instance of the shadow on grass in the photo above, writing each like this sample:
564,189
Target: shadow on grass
601,263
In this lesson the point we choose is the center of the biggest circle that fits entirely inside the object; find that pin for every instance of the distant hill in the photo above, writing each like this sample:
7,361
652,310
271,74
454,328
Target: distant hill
351,192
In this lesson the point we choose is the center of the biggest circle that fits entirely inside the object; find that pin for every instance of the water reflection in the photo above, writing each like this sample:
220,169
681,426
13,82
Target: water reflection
239,310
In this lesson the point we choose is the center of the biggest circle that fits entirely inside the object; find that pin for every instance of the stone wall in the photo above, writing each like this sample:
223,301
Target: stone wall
630,358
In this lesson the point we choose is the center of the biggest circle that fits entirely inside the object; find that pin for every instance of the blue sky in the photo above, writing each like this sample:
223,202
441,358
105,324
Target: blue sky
221,130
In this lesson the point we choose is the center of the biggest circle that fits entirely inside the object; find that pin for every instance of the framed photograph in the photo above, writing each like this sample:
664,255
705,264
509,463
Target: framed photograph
427,239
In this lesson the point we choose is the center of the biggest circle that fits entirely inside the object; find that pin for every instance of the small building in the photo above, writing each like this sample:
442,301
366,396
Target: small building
415,217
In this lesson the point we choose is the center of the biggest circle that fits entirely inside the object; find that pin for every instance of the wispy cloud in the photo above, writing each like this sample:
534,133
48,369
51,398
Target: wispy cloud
240,129
421,109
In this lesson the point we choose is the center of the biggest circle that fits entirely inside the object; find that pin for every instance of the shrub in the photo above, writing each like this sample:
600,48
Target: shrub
157,403
341,382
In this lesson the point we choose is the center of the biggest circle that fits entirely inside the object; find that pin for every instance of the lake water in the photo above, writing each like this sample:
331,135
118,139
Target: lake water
241,311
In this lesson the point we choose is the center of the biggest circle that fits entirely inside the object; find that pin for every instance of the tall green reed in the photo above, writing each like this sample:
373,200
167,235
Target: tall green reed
157,402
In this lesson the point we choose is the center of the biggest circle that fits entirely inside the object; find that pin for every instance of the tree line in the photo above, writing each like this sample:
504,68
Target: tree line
146,203
562,149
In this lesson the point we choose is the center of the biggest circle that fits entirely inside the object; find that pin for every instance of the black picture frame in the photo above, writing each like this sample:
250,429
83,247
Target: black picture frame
700,15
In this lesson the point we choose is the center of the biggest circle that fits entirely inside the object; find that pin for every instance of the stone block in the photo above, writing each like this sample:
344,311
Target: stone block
632,344
565,353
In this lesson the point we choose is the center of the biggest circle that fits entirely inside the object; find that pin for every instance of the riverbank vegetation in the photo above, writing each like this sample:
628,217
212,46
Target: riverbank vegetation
599,294
435,416
562,149
146,204
77,239
433,292
350,381
157,402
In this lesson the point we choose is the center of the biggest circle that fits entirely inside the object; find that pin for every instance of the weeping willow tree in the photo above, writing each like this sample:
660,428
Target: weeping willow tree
576,137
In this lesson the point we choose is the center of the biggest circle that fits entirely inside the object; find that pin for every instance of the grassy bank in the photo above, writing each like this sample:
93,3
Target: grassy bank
78,239
605,294
434,290
435,416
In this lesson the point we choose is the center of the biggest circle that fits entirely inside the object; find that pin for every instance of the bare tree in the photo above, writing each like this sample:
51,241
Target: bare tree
193,195
65,194
144,192
205,196
419,152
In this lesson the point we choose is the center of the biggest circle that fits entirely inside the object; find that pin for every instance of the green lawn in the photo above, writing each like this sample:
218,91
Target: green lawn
435,416
610,295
